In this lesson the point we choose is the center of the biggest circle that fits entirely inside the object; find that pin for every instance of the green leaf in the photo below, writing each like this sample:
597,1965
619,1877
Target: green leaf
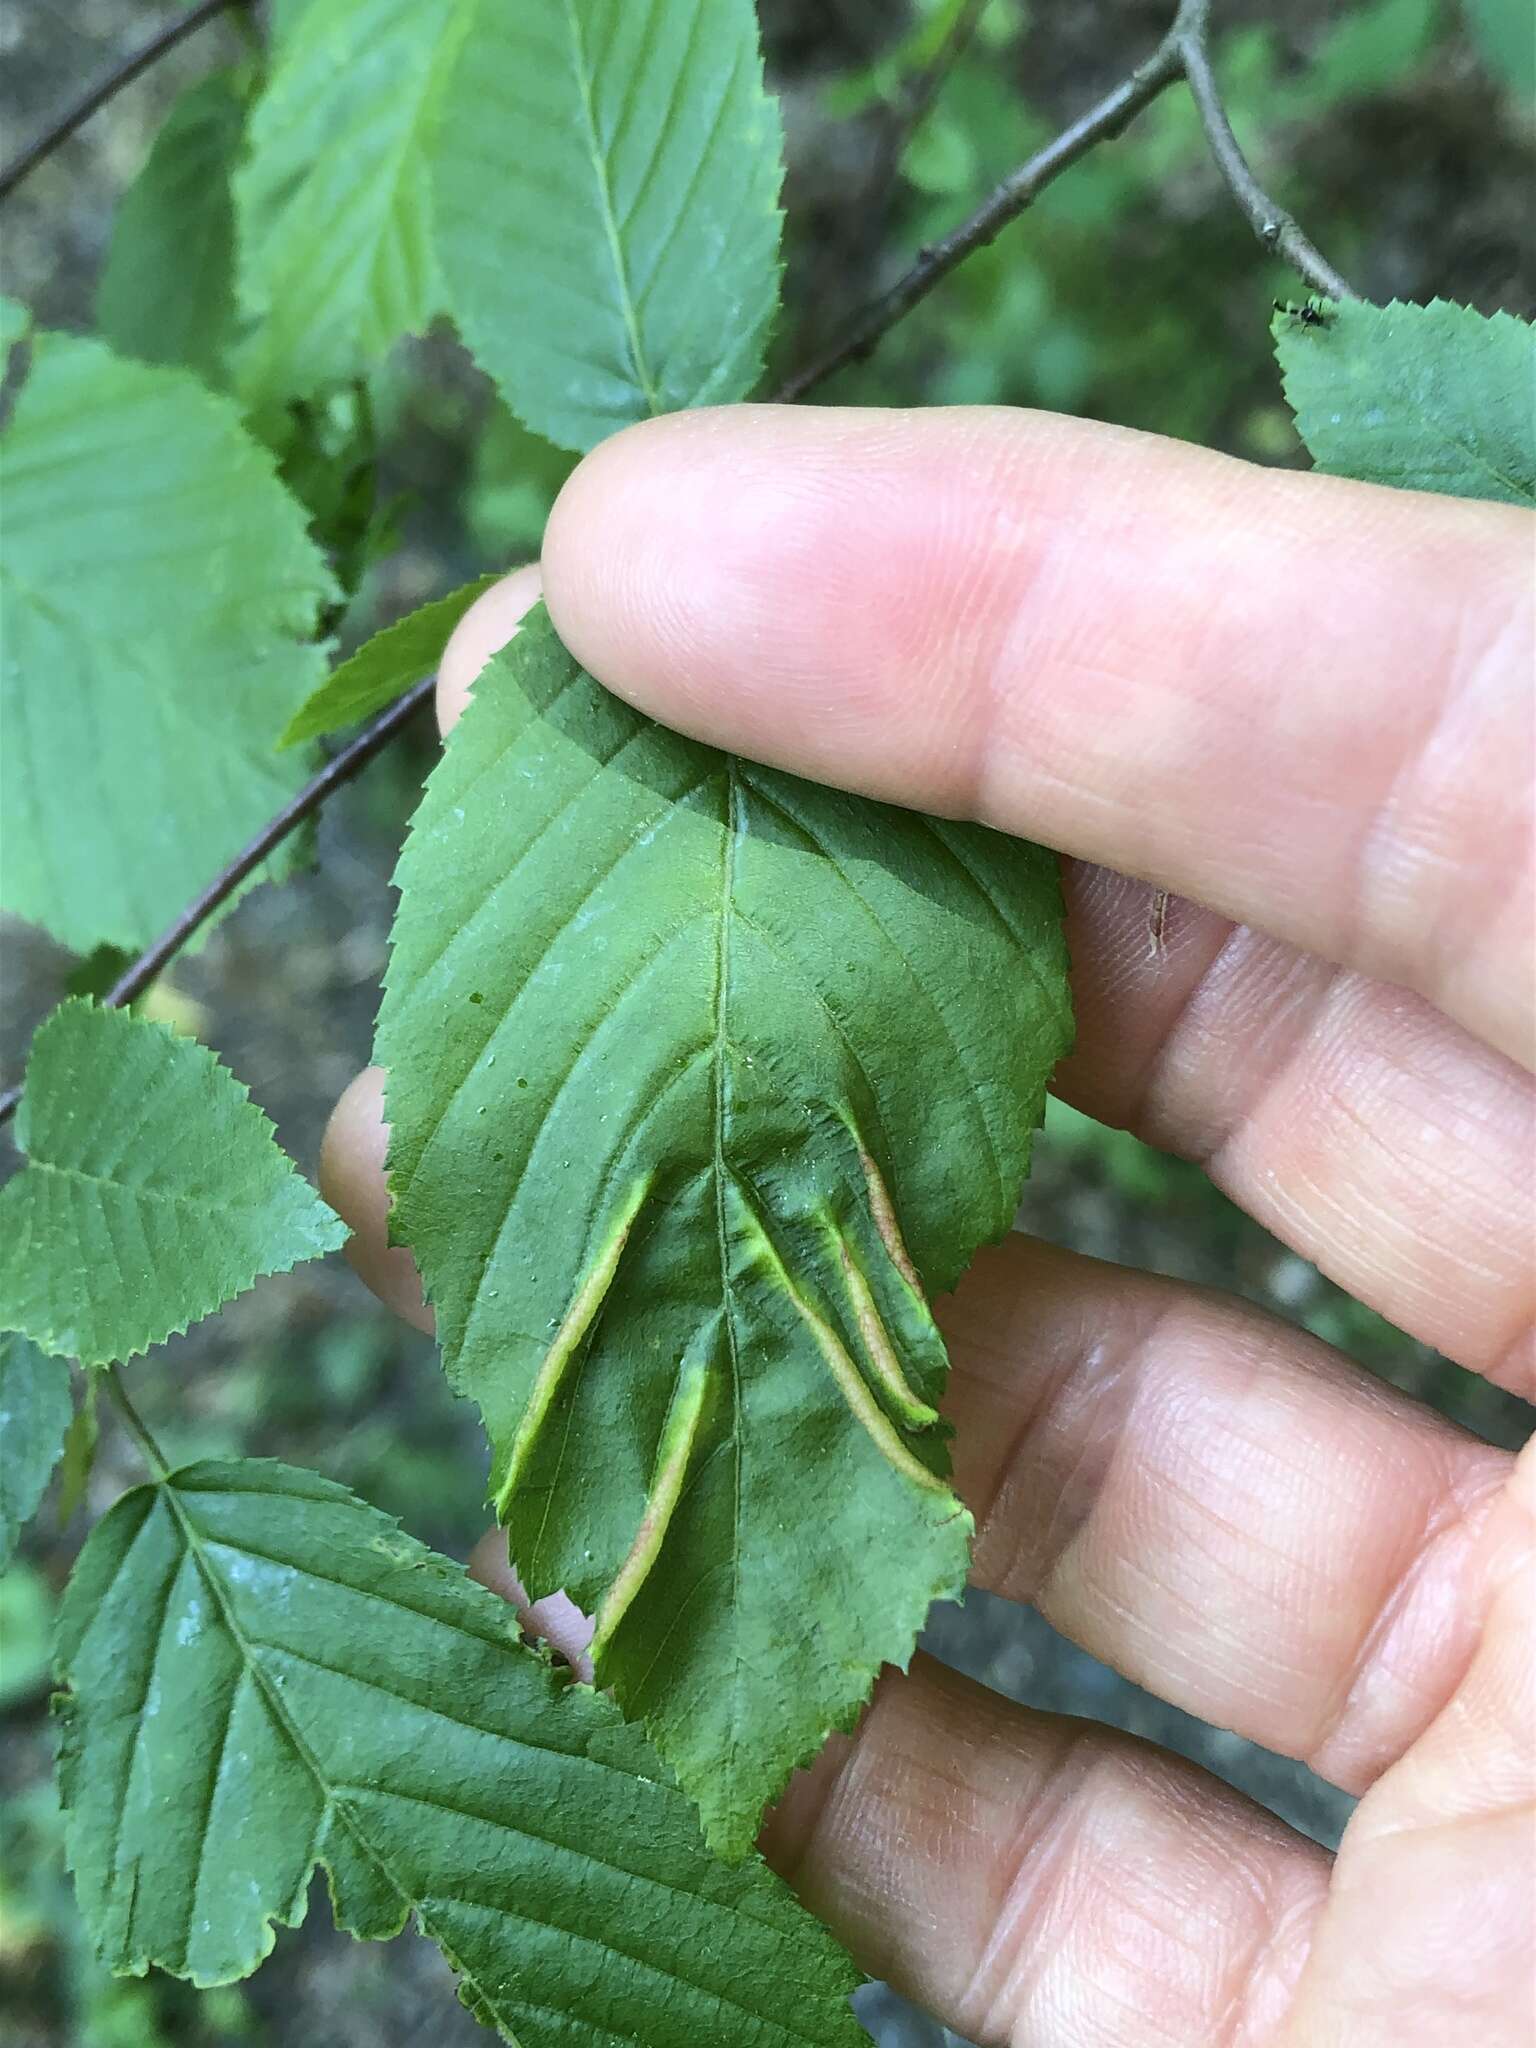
1432,398
35,1411
701,1079
335,257
606,201
514,479
1505,34
79,1459
26,1640
383,666
167,291
156,630
154,1190
15,325
264,1675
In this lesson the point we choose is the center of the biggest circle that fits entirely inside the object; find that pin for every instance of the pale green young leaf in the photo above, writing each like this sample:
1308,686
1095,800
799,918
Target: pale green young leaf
167,290
264,1674
1431,398
283,17
159,593
78,1461
383,666
702,1081
26,1651
606,189
154,1190
15,324
335,259
1505,34
35,1411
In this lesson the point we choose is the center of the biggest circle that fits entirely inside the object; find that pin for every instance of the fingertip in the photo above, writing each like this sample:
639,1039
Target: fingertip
483,631
352,1155
556,1619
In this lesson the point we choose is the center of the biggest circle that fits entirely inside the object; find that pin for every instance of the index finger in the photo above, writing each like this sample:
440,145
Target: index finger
1304,702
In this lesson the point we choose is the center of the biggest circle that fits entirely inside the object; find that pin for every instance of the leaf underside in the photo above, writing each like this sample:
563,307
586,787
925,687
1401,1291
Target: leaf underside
630,264
157,621
336,257
264,1675
1431,398
382,667
700,1080
35,1413
153,1192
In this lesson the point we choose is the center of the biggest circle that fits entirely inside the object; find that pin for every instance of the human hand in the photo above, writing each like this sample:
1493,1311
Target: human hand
1306,707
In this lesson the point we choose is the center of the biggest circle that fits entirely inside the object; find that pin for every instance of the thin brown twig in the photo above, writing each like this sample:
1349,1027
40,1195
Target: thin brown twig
108,88
1275,228
1018,190
341,768
1182,54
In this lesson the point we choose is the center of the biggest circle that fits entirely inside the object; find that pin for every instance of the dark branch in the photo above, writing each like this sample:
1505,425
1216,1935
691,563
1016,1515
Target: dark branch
107,88
1183,53
1271,223
1017,191
341,768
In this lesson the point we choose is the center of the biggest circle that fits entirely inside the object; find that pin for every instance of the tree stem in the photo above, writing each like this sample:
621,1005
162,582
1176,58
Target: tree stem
153,1456
1275,228
97,96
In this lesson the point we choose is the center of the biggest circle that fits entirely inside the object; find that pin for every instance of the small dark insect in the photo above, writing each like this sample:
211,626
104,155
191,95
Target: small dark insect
1308,315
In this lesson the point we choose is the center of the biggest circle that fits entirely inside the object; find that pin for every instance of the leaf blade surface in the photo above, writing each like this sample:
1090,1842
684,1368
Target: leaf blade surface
265,1674
1428,398
630,266
35,1413
158,631
701,1080
153,1192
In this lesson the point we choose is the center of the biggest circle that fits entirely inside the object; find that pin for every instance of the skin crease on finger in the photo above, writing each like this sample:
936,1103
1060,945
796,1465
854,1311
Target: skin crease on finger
1212,1503
1377,1139
1038,1882
1150,656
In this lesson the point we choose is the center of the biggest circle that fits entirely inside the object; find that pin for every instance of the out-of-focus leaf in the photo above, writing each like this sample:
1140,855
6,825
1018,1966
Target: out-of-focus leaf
167,291
1505,34
515,479
35,1411
159,593
26,1631
79,1459
264,1674
153,1192
336,261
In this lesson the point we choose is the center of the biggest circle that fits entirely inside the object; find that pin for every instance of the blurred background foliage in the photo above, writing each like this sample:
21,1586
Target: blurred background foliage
1403,135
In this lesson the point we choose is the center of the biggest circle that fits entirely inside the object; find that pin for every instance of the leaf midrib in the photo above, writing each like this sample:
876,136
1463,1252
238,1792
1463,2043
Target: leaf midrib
628,310
139,1190
275,1705
735,825
334,1800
